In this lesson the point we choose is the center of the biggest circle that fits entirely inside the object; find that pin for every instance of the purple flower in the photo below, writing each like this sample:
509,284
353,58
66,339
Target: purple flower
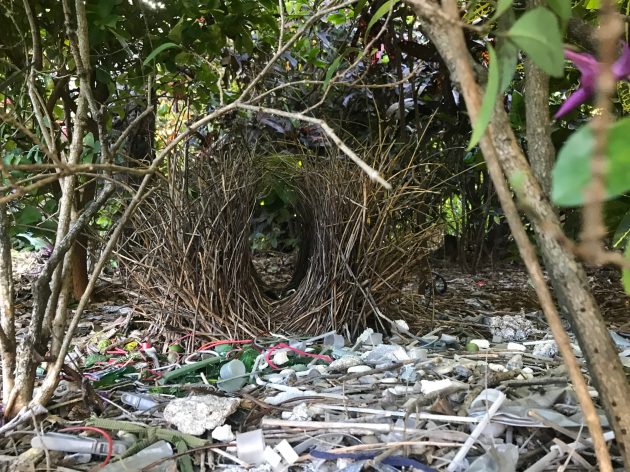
589,68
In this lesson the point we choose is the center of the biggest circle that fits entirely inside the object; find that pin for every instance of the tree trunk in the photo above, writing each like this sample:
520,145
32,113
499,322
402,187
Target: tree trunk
567,275
7,314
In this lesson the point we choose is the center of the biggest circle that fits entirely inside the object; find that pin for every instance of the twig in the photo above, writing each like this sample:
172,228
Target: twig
371,172
593,228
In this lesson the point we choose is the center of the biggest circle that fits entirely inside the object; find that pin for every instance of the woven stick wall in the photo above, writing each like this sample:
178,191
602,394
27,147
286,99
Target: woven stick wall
190,250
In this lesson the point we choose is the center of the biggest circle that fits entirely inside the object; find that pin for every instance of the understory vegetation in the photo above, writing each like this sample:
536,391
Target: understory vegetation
172,144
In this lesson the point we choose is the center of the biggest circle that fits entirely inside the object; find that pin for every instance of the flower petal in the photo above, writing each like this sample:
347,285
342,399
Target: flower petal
585,63
621,68
580,96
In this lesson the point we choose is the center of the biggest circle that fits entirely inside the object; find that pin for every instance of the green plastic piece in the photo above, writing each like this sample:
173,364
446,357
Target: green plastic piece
188,369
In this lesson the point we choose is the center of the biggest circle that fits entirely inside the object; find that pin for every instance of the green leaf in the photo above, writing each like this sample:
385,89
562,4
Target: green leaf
380,13
538,34
158,50
562,8
626,272
358,8
28,215
622,233
331,70
508,59
592,4
337,18
572,173
489,100
502,7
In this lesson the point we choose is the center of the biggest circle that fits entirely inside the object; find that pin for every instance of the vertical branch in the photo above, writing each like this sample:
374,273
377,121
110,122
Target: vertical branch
7,313
594,229
540,149
503,155
39,107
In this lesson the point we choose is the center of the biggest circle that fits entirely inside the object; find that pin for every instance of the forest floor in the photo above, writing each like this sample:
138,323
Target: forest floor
380,402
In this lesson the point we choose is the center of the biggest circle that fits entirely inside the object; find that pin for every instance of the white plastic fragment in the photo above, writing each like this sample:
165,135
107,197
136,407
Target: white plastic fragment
418,353
138,402
497,400
385,353
232,376
496,367
374,339
408,373
149,455
280,357
223,433
400,325
194,415
365,335
272,458
286,451
336,341
481,343
359,368
343,364
250,446
516,347
501,457
430,386
300,412
527,373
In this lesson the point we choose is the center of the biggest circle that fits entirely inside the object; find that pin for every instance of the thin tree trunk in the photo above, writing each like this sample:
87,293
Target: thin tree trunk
567,275
540,149
7,314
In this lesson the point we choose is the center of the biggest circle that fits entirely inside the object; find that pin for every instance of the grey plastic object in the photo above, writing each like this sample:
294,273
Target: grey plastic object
149,455
138,402
499,458
232,376
76,444
250,446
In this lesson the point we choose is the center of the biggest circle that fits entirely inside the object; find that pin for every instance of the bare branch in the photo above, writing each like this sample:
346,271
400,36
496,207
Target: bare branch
369,170
594,229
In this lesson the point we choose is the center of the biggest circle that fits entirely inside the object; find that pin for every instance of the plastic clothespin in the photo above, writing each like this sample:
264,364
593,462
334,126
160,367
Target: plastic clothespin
73,443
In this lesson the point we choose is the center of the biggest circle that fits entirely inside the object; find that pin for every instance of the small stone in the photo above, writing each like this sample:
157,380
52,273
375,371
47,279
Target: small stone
195,415
462,372
359,368
546,349
496,367
515,363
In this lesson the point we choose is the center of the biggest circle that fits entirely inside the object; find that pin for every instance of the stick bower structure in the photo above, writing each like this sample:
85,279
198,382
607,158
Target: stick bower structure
189,248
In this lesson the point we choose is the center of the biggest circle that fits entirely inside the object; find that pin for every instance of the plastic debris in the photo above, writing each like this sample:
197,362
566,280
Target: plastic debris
140,403
159,450
232,376
250,446
223,433
76,444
